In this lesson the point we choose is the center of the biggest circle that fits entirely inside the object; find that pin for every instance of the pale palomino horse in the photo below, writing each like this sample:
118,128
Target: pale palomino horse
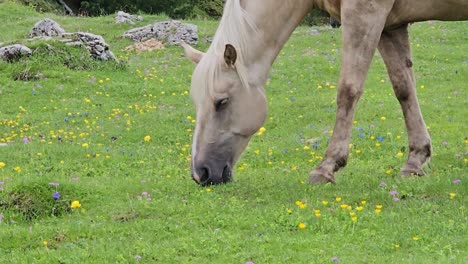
228,82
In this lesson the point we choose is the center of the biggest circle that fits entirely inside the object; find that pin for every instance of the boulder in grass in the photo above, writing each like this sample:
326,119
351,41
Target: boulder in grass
123,17
46,28
13,52
171,32
96,44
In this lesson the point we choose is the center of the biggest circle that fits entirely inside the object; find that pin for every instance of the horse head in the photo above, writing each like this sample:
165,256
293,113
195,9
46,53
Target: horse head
228,112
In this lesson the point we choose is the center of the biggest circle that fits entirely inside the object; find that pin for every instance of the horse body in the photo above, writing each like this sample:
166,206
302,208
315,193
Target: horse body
228,82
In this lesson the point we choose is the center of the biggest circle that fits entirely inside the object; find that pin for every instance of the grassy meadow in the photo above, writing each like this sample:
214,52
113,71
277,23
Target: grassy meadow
114,139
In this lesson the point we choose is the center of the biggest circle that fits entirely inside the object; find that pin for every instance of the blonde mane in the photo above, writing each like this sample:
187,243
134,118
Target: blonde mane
234,29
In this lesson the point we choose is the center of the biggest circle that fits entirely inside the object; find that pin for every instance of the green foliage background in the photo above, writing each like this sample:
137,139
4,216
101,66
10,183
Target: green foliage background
179,9
173,8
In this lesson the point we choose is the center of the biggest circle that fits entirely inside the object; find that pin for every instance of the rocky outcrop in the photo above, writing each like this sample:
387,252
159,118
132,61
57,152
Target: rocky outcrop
96,44
12,52
171,32
123,17
46,27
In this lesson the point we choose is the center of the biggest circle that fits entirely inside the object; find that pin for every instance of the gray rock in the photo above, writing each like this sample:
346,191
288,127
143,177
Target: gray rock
171,32
99,48
96,44
46,27
11,52
314,32
123,17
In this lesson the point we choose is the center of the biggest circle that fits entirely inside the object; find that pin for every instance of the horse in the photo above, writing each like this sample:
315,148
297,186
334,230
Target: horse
227,85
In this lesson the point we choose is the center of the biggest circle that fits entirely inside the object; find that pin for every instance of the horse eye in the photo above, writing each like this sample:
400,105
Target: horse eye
221,104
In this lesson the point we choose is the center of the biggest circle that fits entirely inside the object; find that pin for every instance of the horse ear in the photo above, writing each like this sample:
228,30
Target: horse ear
193,54
230,55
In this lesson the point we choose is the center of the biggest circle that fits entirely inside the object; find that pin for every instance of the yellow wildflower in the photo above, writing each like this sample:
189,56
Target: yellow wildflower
75,204
338,199
452,195
261,131
301,226
147,138
2,164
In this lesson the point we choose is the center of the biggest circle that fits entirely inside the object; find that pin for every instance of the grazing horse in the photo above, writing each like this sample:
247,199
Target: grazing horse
227,85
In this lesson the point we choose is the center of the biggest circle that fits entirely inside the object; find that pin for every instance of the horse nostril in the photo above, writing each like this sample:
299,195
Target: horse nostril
204,174
226,173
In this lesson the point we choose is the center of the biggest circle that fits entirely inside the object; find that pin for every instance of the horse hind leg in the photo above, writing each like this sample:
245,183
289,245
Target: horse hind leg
394,47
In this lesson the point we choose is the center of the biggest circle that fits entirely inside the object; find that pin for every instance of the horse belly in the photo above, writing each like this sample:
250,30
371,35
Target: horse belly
407,11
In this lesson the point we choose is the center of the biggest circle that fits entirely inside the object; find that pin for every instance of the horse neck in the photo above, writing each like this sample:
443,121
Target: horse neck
275,21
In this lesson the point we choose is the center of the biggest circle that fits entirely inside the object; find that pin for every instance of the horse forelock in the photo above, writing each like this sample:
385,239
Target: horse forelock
235,28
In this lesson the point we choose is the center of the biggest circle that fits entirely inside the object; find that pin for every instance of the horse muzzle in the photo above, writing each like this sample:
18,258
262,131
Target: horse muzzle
210,173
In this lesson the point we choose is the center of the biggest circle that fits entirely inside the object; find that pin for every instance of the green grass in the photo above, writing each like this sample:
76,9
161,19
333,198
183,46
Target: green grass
86,128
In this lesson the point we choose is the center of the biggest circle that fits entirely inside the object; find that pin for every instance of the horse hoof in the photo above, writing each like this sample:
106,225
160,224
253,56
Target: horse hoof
317,177
411,170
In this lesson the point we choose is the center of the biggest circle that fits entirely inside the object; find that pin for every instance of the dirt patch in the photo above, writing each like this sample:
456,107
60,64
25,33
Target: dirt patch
148,45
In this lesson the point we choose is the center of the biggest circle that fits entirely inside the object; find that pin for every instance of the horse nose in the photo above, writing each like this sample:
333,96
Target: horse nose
208,175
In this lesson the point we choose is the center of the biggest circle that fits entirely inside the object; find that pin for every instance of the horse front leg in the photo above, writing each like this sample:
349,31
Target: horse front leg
394,47
362,25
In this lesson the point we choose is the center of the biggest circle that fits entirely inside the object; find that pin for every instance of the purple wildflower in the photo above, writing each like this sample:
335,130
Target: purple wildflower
56,196
137,257
393,193
396,199
25,140
383,184
55,184
456,181
335,259
249,262
380,138
1,217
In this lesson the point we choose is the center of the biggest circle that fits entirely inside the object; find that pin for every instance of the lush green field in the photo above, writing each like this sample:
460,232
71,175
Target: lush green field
116,138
